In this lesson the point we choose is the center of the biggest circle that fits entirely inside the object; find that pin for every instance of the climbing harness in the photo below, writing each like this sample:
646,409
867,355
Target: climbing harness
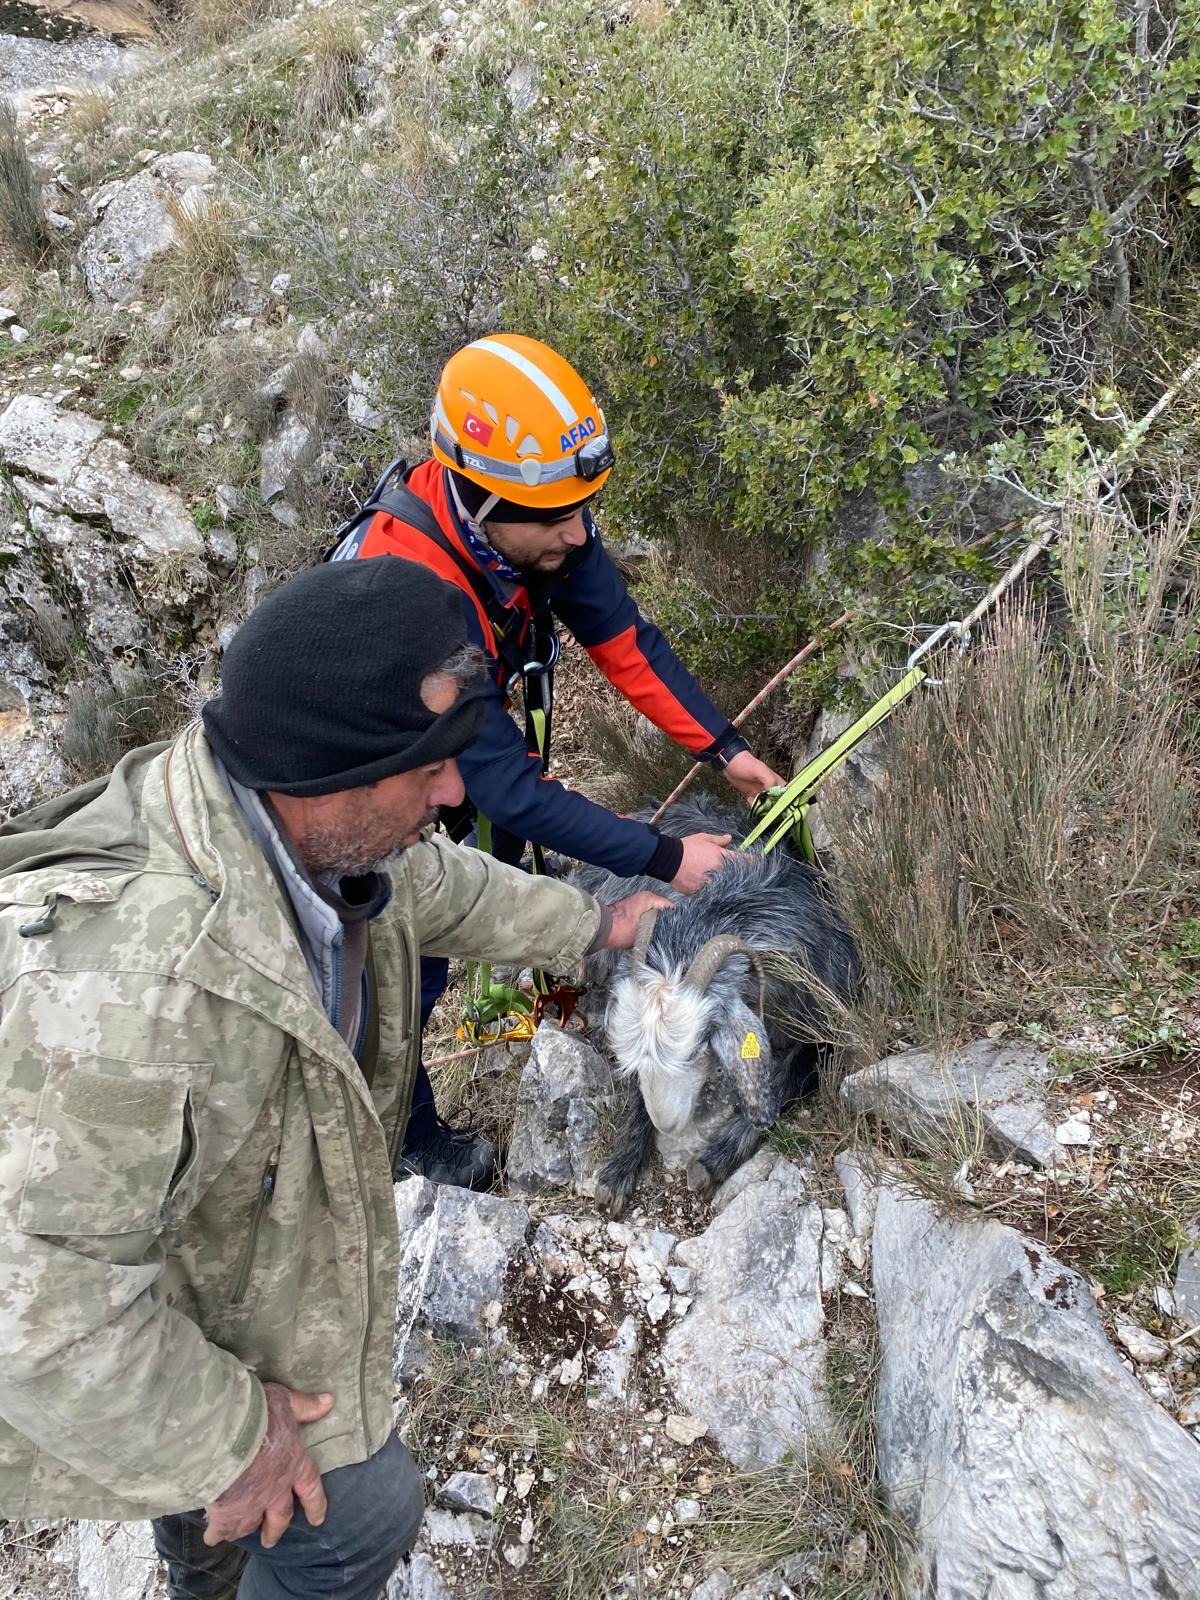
527,648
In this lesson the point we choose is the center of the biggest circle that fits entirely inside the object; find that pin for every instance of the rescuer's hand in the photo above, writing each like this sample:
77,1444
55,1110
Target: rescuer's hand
626,915
263,1498
702,853
750,776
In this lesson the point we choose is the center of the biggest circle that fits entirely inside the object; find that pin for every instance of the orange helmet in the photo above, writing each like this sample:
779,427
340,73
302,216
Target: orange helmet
516,419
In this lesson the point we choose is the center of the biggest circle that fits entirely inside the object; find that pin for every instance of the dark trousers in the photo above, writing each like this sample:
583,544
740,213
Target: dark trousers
375,1510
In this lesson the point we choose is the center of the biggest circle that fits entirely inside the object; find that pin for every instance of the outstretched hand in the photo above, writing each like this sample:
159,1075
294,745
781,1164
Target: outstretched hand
262,1499
626,915
750,776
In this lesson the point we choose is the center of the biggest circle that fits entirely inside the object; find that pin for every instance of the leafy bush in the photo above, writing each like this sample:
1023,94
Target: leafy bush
959,263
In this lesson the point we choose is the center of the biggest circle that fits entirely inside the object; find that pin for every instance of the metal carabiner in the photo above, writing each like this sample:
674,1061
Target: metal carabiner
934,638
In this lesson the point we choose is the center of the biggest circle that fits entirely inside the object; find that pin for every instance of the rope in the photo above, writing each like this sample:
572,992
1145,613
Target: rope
767,689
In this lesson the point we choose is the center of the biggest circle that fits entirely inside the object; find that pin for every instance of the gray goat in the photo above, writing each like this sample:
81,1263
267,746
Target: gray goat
711,1015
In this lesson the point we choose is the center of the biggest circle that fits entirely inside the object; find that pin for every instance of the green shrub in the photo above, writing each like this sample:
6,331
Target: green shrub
958,265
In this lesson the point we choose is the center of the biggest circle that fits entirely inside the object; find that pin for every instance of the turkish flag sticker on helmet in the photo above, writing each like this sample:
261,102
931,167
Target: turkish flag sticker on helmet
477,429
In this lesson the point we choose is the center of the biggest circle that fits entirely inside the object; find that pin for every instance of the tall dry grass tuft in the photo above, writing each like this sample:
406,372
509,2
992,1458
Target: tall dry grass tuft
105,720
329,91
204,23
24,234
1040,816
200,273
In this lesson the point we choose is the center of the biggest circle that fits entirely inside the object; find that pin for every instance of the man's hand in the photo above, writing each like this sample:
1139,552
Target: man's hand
703,853
262,1498
626,915
750,776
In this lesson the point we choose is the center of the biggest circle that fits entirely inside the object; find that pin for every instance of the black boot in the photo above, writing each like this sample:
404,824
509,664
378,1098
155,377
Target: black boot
445,1156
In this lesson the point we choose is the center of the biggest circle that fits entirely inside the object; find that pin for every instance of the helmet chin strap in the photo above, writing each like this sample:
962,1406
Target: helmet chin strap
475,523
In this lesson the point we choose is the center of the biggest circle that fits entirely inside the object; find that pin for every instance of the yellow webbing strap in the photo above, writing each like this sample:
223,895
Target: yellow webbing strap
790,808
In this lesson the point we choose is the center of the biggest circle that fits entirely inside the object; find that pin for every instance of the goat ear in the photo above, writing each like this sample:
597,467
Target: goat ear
741,1045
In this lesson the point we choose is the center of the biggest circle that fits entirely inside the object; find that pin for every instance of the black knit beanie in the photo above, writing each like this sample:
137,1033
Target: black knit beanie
321,686
474,496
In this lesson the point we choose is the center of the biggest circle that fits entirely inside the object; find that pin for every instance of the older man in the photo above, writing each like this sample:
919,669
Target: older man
209,1027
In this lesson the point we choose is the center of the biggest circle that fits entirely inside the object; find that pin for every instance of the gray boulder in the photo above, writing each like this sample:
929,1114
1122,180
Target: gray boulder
118,1561
1028,1461
989,1086
565,1089
455,1251
748,1357
134,225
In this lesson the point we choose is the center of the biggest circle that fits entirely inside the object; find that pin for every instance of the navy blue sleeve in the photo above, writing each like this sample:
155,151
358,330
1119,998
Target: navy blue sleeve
506,783
635,657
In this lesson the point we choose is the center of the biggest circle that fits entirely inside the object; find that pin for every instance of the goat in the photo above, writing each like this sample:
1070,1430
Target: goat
718,980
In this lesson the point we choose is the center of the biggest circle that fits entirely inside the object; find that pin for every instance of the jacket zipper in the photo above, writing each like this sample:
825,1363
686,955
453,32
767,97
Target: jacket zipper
348,1105
266,1193
198,877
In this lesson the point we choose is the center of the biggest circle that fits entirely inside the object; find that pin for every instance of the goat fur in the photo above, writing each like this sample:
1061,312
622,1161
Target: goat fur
691,1087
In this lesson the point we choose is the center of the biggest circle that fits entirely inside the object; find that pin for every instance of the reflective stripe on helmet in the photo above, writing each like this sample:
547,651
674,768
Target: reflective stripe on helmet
535,375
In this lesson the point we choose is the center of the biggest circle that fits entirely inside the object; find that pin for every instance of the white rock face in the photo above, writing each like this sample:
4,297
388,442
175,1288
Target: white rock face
118,1561
134,225
1011,1438
417,1579
748,1358
565,1088
932,1101
456,1246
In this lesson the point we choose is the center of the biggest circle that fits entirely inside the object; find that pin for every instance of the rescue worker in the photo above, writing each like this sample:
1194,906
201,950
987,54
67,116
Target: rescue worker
520,450
208,1036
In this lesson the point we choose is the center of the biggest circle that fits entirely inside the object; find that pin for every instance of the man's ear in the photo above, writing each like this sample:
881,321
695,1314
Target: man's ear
740,1043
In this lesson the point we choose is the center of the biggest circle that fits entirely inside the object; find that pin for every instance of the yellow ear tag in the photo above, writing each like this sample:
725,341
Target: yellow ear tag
750,1048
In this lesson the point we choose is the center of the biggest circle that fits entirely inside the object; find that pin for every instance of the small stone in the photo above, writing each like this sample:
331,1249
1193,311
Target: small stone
1072,1132
685,1430
523,1483
658,1306
468,1491
1145,1347
685,1510
7,315
131,373
18,334
280,284
526,1530
571,1370
1158,1387
1189,1411
516,1555
492,1313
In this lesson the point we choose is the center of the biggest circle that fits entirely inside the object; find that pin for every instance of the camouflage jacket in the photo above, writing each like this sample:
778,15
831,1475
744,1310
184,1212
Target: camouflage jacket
195,1179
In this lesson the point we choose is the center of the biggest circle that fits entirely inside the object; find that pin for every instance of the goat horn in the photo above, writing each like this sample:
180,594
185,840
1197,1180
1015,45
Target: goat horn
714,954
645,932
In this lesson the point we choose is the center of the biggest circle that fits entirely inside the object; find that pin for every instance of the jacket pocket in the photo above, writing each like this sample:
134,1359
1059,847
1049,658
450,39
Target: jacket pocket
115,1148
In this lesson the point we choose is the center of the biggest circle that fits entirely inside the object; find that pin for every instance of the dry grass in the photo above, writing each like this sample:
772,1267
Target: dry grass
1040,819
51,632
105,720
204,23
602,1482
24,234
329,90
199,274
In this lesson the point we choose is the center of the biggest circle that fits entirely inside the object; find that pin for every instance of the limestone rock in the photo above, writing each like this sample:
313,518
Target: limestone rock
748,1358
289,448
455,1249
417,1579
613,1369
134,225
931,1101
118,1561
859,1189
468,1491
1012,1439
565,1088
1187,1280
